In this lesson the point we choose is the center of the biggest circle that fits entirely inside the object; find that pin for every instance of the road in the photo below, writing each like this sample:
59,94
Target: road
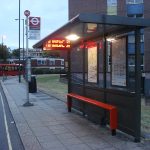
9,136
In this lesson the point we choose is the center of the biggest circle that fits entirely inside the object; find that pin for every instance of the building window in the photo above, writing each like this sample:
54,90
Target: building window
131,62
62,62
111,7
131,38
52,62
142,38
111,2
41,62
134,1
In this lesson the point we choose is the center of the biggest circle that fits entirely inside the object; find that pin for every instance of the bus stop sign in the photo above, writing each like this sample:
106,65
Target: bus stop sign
27,13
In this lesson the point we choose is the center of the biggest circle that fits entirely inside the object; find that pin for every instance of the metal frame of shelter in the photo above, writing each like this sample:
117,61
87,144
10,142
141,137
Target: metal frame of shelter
111,82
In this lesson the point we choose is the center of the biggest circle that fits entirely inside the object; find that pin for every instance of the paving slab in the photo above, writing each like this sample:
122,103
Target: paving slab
48,126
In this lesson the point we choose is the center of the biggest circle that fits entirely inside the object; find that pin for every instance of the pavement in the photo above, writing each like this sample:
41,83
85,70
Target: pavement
48,126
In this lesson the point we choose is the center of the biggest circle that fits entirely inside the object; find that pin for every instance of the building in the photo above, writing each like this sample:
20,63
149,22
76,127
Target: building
130,8
43,63
49,63
36,53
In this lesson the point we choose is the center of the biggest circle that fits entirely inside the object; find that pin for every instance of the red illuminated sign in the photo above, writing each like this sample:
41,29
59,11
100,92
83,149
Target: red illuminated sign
57,44
91,44
88,44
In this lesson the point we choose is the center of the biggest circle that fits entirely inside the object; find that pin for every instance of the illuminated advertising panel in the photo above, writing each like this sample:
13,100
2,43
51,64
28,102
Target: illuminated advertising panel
119,62
92,63
57,44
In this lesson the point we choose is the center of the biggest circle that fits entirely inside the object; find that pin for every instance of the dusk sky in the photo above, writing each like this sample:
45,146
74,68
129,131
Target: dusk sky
53,13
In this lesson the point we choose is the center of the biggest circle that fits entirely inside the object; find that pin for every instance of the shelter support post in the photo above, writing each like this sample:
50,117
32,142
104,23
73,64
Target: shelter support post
137,85
69,70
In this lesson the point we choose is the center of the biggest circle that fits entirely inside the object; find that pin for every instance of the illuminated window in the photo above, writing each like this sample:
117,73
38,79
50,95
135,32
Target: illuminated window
111,2
91,27
112,7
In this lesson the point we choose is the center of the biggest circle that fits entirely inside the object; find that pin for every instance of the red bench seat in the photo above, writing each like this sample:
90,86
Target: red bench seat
112,109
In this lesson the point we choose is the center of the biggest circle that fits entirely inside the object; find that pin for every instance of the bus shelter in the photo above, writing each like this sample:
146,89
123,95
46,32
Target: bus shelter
99,66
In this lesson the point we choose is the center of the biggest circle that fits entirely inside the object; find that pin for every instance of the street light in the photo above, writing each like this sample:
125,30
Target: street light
22,38
19,72
19,45
3,37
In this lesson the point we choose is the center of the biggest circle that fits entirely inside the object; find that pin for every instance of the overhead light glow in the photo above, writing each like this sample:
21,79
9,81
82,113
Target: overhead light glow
111,39
72,37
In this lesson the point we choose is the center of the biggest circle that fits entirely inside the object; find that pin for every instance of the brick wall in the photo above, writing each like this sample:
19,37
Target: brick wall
121,7
80,6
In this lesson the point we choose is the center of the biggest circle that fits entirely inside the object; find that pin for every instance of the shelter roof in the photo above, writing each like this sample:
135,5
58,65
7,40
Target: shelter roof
84,23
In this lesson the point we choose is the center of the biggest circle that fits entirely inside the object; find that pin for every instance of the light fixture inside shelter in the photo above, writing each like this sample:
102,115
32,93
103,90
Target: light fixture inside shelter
72,37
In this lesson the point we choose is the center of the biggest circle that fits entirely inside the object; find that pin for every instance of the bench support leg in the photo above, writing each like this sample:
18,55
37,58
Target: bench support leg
113,121
69,103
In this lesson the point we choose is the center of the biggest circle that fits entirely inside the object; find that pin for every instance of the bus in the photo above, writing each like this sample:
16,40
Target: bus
11,69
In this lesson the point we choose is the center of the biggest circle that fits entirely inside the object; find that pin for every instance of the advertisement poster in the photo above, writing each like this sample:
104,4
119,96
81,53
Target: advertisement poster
92,64
119,62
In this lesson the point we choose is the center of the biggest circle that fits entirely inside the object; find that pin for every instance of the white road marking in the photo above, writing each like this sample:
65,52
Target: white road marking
6,124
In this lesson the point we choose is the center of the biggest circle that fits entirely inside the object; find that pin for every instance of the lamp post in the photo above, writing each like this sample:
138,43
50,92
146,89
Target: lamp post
3,55
2,49
22,37
3,37
19,45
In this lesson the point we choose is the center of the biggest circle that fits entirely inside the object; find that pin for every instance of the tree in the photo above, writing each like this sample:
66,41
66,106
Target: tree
15,53
3,53
51,53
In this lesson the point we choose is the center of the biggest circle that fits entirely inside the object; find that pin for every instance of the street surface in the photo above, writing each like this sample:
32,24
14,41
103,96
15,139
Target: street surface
9,137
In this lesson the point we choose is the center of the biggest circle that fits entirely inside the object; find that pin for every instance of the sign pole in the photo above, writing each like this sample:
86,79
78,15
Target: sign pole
28,63
19,46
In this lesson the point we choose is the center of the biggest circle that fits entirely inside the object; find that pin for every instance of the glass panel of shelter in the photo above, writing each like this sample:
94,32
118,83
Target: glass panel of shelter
77,65
87,64
120,72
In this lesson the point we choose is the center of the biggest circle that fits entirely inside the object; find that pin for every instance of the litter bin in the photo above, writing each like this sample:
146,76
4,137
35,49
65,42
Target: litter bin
32,85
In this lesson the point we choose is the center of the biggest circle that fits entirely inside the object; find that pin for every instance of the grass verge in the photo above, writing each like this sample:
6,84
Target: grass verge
51,82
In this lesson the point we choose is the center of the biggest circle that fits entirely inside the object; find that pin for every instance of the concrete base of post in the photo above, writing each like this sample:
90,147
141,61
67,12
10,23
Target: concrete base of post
28,104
